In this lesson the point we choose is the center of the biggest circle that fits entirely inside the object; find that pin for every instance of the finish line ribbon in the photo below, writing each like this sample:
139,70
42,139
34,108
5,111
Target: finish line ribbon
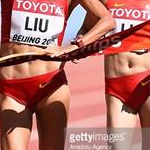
134,38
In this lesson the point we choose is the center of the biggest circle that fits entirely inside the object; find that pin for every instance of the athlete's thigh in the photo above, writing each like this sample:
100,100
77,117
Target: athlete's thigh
16,123
121,121
144,115
119,114
52,114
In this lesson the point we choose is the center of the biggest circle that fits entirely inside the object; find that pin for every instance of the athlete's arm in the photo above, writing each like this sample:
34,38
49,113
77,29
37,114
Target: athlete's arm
101,19
103,24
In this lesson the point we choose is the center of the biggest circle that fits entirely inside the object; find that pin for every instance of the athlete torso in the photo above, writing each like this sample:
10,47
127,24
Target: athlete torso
128,13
22,20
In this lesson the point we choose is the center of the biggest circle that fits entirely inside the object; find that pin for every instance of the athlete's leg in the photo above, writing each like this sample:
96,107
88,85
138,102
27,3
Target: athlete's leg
120,119
144,115
52,114
16,123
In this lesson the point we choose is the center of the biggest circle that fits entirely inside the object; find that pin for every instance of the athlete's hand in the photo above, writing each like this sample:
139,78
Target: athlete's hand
57,51
69,49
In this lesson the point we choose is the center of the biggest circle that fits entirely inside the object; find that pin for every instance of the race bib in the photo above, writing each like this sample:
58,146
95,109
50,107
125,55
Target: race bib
36,22
127,14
